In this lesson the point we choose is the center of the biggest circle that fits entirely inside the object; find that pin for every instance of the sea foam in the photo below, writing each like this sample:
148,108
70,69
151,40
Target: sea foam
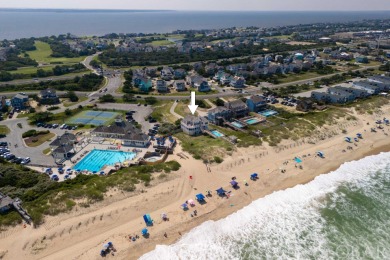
286,224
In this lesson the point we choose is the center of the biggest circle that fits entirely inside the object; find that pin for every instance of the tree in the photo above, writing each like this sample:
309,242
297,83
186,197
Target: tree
42,117
219,102
129,98
72,96
68,112
107,98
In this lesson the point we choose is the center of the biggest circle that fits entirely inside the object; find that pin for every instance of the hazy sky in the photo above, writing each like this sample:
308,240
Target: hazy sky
253,5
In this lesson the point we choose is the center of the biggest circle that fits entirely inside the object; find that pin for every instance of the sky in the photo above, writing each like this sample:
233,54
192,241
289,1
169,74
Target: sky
206,5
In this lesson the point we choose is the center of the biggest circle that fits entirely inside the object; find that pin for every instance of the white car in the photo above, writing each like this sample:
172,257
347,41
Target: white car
26,160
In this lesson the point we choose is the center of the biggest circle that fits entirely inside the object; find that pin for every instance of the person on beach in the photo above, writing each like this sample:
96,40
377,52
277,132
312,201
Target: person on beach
165,235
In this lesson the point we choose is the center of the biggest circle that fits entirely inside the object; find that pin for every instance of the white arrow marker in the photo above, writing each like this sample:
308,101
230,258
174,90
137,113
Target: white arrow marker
193,107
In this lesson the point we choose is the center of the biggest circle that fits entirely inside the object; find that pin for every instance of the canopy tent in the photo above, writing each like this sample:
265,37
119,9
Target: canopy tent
191,202
254,176
144,231
234,183
200,197
221,192
148,220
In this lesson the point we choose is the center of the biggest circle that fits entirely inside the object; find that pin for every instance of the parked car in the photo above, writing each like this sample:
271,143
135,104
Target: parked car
18,160
26,160
3,144
55,125
10,156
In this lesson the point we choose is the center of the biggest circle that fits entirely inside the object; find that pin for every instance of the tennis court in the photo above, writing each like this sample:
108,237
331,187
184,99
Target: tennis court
90,117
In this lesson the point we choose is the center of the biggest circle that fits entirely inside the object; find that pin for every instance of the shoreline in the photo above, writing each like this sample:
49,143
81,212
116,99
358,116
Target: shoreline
81,234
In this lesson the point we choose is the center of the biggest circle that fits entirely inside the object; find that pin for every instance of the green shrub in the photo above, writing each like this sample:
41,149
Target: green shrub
218,159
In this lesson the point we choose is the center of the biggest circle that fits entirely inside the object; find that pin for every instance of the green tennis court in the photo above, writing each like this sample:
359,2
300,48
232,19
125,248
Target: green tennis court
91,117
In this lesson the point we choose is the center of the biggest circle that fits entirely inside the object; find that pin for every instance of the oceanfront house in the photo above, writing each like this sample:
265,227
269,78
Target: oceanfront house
127,132
219,114
305,105
48,97
347,96
238,108
180,85
256,103
329,98
198,82
161,86
194,125
167,73
6,203
62,148
371,87
143,83
358,93
380,79
237,82
20,101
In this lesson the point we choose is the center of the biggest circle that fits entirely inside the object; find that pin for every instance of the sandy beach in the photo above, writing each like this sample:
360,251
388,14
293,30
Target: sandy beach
81,233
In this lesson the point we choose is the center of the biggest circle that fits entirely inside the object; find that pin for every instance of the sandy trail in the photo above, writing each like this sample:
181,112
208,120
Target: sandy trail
81,233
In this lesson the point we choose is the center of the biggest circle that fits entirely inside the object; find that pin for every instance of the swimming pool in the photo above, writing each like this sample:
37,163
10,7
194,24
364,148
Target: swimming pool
236,124
97,159
252,121
268,113
217,133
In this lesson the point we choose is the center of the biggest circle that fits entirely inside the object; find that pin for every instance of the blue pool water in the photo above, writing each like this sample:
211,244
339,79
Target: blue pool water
236,124
96,159
268,113
252,121
217,134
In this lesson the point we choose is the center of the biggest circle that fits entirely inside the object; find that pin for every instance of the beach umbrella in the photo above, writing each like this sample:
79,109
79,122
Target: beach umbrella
233,183
66,177
106,246
191,202
102,173
184,206
144,231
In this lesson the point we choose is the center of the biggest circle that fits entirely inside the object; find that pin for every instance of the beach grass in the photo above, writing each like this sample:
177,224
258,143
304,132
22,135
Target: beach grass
43,52
161,112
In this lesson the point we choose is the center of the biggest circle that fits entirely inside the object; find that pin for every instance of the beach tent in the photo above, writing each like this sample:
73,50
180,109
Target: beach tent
234,183
191,202
254,176
200,197
184,206
320,154
356,139
359,135
347,139
297,160
221,192
144,231
148,220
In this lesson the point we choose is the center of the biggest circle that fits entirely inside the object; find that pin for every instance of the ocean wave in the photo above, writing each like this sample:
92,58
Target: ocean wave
327,218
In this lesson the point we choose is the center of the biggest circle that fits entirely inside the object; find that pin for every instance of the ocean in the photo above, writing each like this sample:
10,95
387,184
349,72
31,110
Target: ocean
16,23
344,214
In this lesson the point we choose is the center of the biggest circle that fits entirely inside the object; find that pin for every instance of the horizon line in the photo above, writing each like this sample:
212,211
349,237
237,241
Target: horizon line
176,10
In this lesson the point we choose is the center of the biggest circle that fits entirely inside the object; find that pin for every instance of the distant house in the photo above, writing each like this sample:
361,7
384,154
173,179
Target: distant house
372,88
179,73
123,130
218,115
304,105
194,125
48,97
144,84
20,101
237,82
330,98
151,72
180,85
256,103
198,82
161,86
167,73
211,68
358,93
361,59
349,96
223,77
63,146
238,108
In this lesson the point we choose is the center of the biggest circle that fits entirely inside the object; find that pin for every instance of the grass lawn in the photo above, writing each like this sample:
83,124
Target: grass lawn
68,103
204,147
297,77
30,70
161,112
47,151
161,43
43,52
4,130
38,140
182,108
